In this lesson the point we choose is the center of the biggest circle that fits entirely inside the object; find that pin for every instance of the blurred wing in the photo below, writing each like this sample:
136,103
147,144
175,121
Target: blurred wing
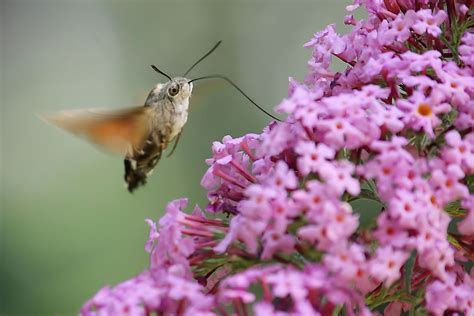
119,132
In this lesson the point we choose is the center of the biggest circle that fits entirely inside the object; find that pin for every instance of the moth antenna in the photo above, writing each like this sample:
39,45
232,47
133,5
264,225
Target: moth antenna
238,89
202,58
160,72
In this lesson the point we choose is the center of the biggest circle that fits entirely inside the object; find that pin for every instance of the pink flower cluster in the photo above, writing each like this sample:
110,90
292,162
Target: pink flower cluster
168,287
395,127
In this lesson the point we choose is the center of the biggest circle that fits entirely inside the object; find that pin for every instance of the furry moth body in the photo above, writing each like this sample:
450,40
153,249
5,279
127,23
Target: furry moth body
167,106
141,134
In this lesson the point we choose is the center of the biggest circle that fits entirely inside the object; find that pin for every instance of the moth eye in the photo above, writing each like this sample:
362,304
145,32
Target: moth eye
172,91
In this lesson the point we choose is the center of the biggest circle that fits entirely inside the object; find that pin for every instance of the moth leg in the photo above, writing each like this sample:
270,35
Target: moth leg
175,144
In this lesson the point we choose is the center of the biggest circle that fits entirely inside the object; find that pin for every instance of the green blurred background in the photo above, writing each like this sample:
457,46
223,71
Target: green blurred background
68,226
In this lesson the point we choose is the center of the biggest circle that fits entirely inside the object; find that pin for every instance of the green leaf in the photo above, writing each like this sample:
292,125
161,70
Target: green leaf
421,311
408,271
454,209
337,310
448,118
470,183
308,253
297,224
295,259
453,241
209,265
367,194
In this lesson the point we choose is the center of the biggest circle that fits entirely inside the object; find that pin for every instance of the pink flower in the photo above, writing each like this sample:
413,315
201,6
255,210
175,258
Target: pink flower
264,308
143,294
277,242
428,22
349,263
329,39
314,196
313,158
466,226
283,178
446,184
339,177
400,27
460,151
421,112
152,237
244,296
393,126
288,282
278,137
386,265
390,232
451,295
437,257
172,247
329,226
406,208
466,50
350,20
465,117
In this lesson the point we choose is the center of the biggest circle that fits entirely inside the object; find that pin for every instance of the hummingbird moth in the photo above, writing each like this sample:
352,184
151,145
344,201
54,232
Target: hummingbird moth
141,134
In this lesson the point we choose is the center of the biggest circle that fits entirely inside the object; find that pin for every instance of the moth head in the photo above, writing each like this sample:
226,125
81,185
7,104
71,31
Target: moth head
179,88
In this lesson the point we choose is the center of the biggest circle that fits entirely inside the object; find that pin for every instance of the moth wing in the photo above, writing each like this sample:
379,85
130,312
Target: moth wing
120,132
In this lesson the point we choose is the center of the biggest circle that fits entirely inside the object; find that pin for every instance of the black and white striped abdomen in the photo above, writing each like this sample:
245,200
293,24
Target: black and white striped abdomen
141,164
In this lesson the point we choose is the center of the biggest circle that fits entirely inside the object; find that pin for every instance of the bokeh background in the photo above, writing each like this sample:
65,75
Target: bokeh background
68,226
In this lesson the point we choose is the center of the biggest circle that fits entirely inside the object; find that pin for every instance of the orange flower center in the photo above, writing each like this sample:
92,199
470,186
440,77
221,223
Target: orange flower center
340,217
424,109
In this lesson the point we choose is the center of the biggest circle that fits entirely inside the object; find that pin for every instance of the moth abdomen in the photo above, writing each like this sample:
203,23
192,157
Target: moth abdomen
133,178
138,168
